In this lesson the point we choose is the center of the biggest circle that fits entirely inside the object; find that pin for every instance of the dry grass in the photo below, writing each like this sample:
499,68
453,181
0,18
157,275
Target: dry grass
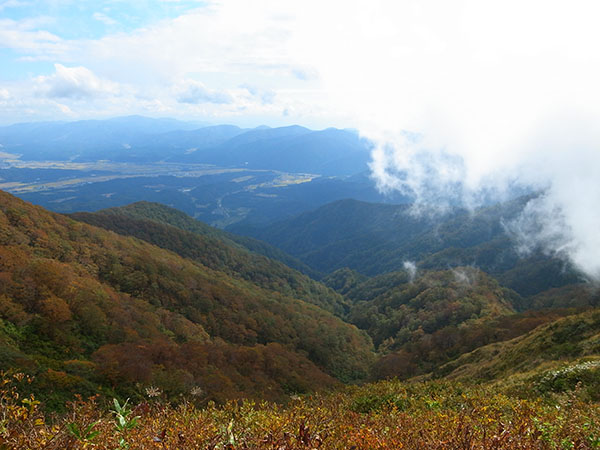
385,415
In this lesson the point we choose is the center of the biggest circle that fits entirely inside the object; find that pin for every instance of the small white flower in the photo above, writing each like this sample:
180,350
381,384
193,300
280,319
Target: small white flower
153,391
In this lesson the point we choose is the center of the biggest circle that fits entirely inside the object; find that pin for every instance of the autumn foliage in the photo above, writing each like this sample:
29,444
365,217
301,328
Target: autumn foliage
387,415
86,310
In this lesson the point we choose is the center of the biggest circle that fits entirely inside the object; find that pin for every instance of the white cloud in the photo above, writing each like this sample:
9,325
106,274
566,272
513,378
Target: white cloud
493,92
24,36
64,109
12,4
305,73
192,91
75,83
265,96
565,220
231,37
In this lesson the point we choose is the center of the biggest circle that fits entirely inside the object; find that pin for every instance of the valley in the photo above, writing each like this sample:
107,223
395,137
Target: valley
233,176
69,187
124,278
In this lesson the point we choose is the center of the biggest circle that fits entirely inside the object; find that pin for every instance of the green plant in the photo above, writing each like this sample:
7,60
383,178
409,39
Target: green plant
124,421
84,434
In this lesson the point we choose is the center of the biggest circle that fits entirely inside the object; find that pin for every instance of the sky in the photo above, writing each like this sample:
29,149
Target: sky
215,61
467,96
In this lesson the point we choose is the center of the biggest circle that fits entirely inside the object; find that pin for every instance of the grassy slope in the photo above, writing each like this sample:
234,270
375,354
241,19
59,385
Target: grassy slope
559,342
384,416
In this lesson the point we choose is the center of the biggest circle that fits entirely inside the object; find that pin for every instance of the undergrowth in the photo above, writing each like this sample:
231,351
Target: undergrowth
384,415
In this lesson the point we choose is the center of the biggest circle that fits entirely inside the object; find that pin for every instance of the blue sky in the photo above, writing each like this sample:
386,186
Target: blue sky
217,61
77,20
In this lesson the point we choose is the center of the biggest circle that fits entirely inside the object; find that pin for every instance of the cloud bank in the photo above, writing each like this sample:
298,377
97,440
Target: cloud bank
468,98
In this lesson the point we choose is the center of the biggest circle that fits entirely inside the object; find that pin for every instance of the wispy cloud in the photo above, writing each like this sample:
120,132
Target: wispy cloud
106,20
26,37
411,269
12,4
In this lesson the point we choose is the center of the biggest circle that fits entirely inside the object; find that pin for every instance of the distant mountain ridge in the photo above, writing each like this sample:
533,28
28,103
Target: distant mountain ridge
291,149
330,152
72,140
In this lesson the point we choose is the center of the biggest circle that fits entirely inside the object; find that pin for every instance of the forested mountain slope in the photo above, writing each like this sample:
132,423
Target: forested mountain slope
376,238
175,231
170,216
82,307
427,321
421,323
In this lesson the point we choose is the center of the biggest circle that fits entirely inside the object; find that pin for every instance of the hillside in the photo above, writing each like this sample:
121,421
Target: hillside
374,239
83,308
403,312
345,233
420,323
547,349
189,238
170,216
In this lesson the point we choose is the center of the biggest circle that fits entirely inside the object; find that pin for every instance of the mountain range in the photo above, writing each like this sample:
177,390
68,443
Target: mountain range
377,238
136,139
261,263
